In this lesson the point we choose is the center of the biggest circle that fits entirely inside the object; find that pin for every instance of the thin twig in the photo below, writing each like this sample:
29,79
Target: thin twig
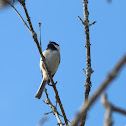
89,70
54,109
19,16
34,35
119,110
40,35
92,23
81,20
111,76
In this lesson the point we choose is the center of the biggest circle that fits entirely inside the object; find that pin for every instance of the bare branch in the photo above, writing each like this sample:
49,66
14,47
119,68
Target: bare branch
111,76
54,109
89,70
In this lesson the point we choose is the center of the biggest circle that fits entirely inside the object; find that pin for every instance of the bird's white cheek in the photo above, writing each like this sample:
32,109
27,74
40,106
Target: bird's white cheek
58,48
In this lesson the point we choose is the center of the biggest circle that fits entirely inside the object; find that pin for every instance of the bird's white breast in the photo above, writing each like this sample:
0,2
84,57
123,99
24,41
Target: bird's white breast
52,60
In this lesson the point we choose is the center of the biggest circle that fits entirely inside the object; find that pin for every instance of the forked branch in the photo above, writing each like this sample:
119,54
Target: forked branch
109,109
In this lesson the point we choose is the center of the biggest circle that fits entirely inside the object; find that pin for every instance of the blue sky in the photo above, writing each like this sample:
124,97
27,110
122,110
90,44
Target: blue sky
20,75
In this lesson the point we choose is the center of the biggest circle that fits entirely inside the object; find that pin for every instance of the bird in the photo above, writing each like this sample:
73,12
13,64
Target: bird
52,58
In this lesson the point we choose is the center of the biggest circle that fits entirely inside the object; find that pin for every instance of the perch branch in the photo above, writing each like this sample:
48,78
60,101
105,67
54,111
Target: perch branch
111,76
34,35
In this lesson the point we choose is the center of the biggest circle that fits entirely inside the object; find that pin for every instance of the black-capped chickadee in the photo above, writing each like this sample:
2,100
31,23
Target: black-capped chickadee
52,58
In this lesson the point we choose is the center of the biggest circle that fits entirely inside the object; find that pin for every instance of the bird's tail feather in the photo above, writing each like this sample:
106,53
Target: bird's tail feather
41,89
